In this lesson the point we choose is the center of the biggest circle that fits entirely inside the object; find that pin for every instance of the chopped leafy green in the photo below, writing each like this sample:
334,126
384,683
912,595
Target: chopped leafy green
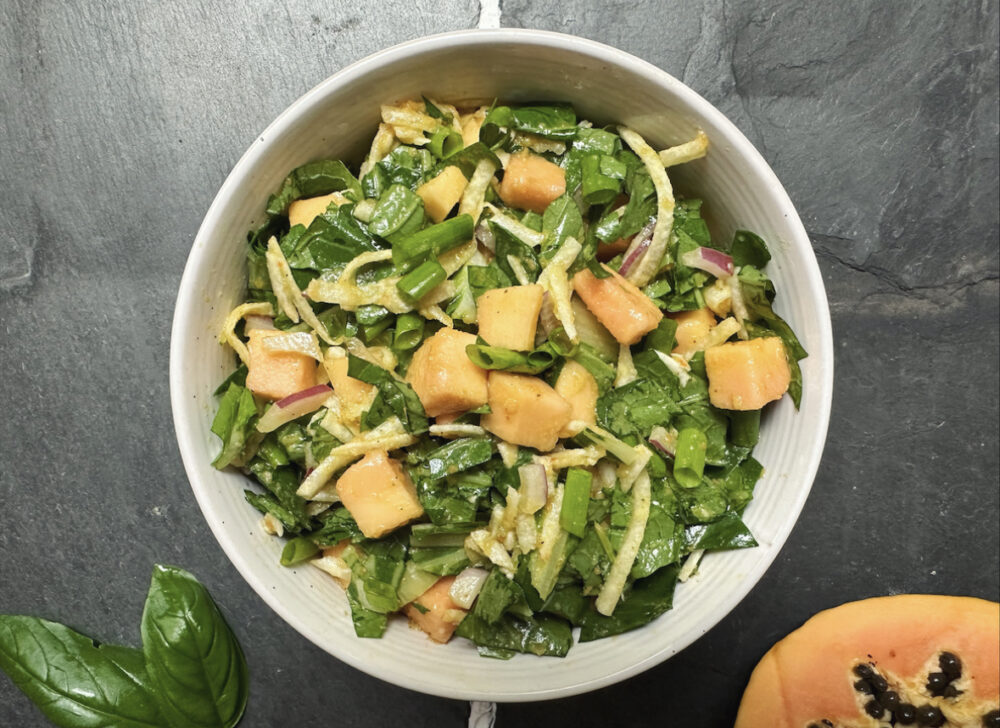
311,180
458,456
647,600
394,397
233,423
541,635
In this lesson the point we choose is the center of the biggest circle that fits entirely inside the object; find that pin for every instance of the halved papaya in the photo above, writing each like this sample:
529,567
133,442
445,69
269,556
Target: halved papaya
910,659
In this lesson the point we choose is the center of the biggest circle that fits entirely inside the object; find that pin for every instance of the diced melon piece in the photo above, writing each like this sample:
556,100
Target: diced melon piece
578,387
624,310
746,375
443,192
276,374
531,182
607,251
355,396
508,316
303,212
525,411
378,494
447,419
444,377
434,611
692,329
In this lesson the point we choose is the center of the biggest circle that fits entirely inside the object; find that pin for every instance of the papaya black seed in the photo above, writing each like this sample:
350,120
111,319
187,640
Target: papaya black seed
878,682
827,722
863,671
950,664
889,700
950,691
936,682
874,709
992,719
863,686
929,716
906,714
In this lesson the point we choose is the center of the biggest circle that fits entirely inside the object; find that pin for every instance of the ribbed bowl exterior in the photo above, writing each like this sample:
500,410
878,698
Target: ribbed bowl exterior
337,119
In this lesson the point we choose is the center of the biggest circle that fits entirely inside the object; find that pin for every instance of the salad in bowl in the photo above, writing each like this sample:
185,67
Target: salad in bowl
501,379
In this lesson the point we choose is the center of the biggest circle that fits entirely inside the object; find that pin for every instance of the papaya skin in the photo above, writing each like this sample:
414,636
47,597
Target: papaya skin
808,676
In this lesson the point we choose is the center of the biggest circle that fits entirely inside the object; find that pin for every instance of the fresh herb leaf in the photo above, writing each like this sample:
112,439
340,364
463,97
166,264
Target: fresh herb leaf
75,681
192,655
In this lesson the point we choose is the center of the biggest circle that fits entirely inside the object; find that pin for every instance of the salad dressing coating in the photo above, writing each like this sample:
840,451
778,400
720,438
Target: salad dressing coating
503,380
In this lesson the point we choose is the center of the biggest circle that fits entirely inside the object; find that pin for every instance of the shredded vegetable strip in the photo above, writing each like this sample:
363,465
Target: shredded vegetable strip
643,271
690,565
519,272
382,144
350,295
228,333
451,431
554,278
611,592
474,197
686,152
679,368
515,227
390,435
626,369
278,266
298,342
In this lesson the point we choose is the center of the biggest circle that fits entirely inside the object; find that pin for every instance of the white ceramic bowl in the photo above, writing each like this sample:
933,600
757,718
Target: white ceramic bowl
337,119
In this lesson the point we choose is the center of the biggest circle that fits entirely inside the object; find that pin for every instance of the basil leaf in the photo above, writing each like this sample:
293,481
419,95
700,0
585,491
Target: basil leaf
72,680
191,653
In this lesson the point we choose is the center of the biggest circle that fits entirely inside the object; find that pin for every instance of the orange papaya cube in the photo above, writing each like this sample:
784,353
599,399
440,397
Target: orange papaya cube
303,212
434,611
274,375
444,377
624,310
607,251
525,411
692,329
531,182
508,316
746,375
354,394
448,418
379,494
578,387
442,193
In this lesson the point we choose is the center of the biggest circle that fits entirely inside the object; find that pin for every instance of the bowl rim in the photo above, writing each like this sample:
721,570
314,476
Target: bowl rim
200,250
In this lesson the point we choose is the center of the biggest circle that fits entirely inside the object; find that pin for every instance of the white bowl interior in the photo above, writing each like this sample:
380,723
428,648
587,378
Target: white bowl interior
337,119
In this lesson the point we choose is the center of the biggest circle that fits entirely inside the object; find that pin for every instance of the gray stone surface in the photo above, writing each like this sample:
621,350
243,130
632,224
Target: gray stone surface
120,120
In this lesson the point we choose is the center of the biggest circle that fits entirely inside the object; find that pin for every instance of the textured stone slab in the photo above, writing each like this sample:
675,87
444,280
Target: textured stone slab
120,120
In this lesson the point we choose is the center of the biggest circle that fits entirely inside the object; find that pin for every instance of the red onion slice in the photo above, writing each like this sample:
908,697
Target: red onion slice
467,586
709,260
293,406
534,487
637,248
663,441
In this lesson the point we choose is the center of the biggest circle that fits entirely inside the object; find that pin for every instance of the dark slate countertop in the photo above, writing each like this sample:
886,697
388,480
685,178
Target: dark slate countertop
120,121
